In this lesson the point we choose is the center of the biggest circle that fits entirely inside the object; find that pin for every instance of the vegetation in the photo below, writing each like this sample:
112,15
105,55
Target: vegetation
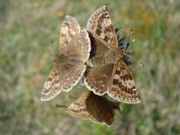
27,31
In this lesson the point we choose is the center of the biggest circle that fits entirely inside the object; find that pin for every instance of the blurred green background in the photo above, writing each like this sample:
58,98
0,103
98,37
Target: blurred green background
27,29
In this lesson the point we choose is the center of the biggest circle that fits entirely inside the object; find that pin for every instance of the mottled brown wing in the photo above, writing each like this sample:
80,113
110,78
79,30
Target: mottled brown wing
79,47
100,25
97,47
122,86
70,75
97,78
100,108
78,108
70,28
51,86
78,52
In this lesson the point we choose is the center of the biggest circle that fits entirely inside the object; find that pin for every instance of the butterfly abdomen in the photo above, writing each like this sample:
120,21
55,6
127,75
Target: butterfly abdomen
102,60
63,59
96,61
73,61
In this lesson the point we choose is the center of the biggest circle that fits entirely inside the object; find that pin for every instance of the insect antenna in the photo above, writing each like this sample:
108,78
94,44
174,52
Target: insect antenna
61,106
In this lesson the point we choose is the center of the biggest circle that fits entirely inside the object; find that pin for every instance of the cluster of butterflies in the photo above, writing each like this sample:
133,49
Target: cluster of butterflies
98,57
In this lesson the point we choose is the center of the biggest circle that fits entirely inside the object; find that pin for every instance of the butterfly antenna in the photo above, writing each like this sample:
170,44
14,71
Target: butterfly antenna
141,63
61,106
41,72
125,46
52,47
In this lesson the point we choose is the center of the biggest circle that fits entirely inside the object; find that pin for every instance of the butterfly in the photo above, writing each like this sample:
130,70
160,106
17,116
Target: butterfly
93,107
70,64
107,73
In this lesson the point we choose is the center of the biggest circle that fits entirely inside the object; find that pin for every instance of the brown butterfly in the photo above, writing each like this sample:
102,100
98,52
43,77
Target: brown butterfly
107,72
96,108
70,62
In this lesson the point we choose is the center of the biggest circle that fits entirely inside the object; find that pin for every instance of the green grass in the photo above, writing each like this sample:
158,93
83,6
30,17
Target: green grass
27,31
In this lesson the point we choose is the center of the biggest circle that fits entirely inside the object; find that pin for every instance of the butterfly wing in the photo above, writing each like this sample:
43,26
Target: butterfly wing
97,78
75,44
97,47
79,47
100,25
122,86
78,108
78,53
70,28
100,108
51,86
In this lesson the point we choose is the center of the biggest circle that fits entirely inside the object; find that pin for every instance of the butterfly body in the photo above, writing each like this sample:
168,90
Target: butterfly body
62,59
104,55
